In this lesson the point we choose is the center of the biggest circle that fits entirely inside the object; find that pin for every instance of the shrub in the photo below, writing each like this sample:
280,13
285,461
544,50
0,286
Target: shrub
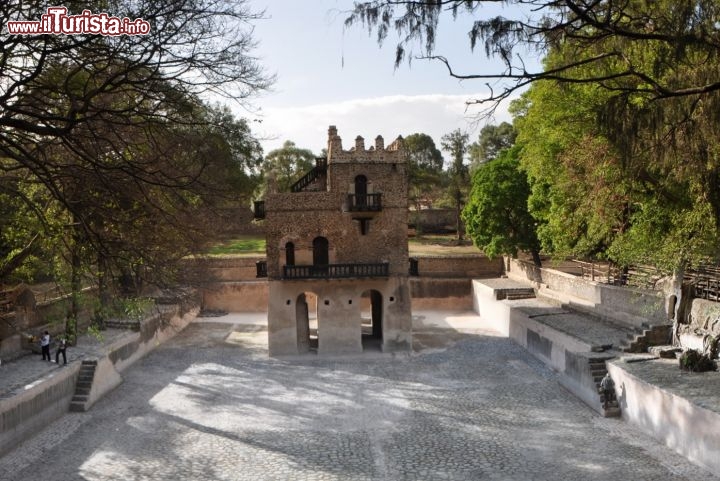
692,360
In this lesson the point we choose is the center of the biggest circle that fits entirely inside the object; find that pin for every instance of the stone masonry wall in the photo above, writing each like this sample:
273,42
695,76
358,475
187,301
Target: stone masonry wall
460,266
300,217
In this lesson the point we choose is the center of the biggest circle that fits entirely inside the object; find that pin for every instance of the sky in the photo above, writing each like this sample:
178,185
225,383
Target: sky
330,75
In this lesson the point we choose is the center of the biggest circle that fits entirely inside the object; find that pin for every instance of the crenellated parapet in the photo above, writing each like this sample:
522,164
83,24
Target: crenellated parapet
378,153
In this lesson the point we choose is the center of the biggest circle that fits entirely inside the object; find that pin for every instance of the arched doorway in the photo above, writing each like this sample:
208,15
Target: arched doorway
360,190
371,314
306,319
321,256
290,254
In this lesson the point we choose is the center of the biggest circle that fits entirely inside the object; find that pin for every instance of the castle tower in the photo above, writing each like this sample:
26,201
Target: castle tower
337,254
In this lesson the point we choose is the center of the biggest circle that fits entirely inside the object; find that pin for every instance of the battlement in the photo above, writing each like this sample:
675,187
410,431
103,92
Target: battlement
393,153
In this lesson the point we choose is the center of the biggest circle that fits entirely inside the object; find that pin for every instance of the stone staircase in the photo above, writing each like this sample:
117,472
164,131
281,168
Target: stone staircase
647,336
598,370
79,402
310,179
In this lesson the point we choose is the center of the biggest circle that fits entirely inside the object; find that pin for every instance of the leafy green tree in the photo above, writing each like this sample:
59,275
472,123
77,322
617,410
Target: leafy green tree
425,169
496,215
286,165
456,143
104,143
491,141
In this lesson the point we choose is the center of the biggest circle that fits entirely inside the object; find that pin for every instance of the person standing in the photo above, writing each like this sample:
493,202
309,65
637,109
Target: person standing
45,346
62,345
607,385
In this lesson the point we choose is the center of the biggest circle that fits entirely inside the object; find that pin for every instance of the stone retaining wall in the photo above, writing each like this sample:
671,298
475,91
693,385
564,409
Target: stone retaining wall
624,304
24,413
221,269
27,412
683,426
468,267
436,293
569,356
444,282
123,353
240,296
701,326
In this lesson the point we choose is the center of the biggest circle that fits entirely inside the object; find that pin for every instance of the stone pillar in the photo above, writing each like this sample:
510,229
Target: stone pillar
359,144
379,143
303,324
334,142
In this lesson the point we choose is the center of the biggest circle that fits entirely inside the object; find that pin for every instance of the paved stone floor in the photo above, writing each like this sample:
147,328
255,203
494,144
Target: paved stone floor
210,405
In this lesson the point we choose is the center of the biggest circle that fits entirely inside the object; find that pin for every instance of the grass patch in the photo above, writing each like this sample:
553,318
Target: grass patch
248,246
439,245
426,245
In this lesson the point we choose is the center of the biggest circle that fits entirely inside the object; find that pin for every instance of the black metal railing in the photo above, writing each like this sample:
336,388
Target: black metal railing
259,209
336,271
307,179
365,202
261,269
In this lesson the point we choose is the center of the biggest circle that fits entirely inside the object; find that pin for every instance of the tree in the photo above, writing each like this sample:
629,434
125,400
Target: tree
601,32
109,132
287,164
491,141
656,65
496,215
425,168
456,142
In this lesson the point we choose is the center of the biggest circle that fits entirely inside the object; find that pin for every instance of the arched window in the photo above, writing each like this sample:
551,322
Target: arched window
360,185
320,252
290,254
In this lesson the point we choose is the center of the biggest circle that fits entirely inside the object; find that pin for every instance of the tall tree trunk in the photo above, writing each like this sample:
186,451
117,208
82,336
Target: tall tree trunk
71,326
674,299
458,218
536,257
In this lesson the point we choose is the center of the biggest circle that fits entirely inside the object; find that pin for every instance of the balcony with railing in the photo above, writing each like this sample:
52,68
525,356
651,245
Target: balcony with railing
365,202
259,209
336,271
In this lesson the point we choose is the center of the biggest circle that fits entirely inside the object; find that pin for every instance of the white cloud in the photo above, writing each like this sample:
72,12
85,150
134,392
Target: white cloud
388,116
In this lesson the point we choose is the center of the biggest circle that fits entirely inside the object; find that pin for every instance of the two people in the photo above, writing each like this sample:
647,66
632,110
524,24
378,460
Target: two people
45,348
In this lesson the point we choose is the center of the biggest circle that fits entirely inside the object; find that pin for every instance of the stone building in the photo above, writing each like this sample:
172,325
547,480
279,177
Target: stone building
337,254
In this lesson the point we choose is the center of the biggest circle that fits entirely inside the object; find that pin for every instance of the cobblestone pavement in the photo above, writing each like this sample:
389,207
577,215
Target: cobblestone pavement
15,375
210,405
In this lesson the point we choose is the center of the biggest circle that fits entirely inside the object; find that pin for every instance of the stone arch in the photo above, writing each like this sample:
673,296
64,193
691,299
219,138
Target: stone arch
321,251
361,184
290,253
371,319
306,319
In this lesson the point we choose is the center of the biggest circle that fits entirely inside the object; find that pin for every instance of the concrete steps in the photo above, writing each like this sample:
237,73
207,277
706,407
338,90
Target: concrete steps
646,337
598,369
83,386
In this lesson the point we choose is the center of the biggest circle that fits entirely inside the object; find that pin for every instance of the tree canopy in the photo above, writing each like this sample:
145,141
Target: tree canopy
496,215
106,149
286,165
425,169
617,127
492,140
456,143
